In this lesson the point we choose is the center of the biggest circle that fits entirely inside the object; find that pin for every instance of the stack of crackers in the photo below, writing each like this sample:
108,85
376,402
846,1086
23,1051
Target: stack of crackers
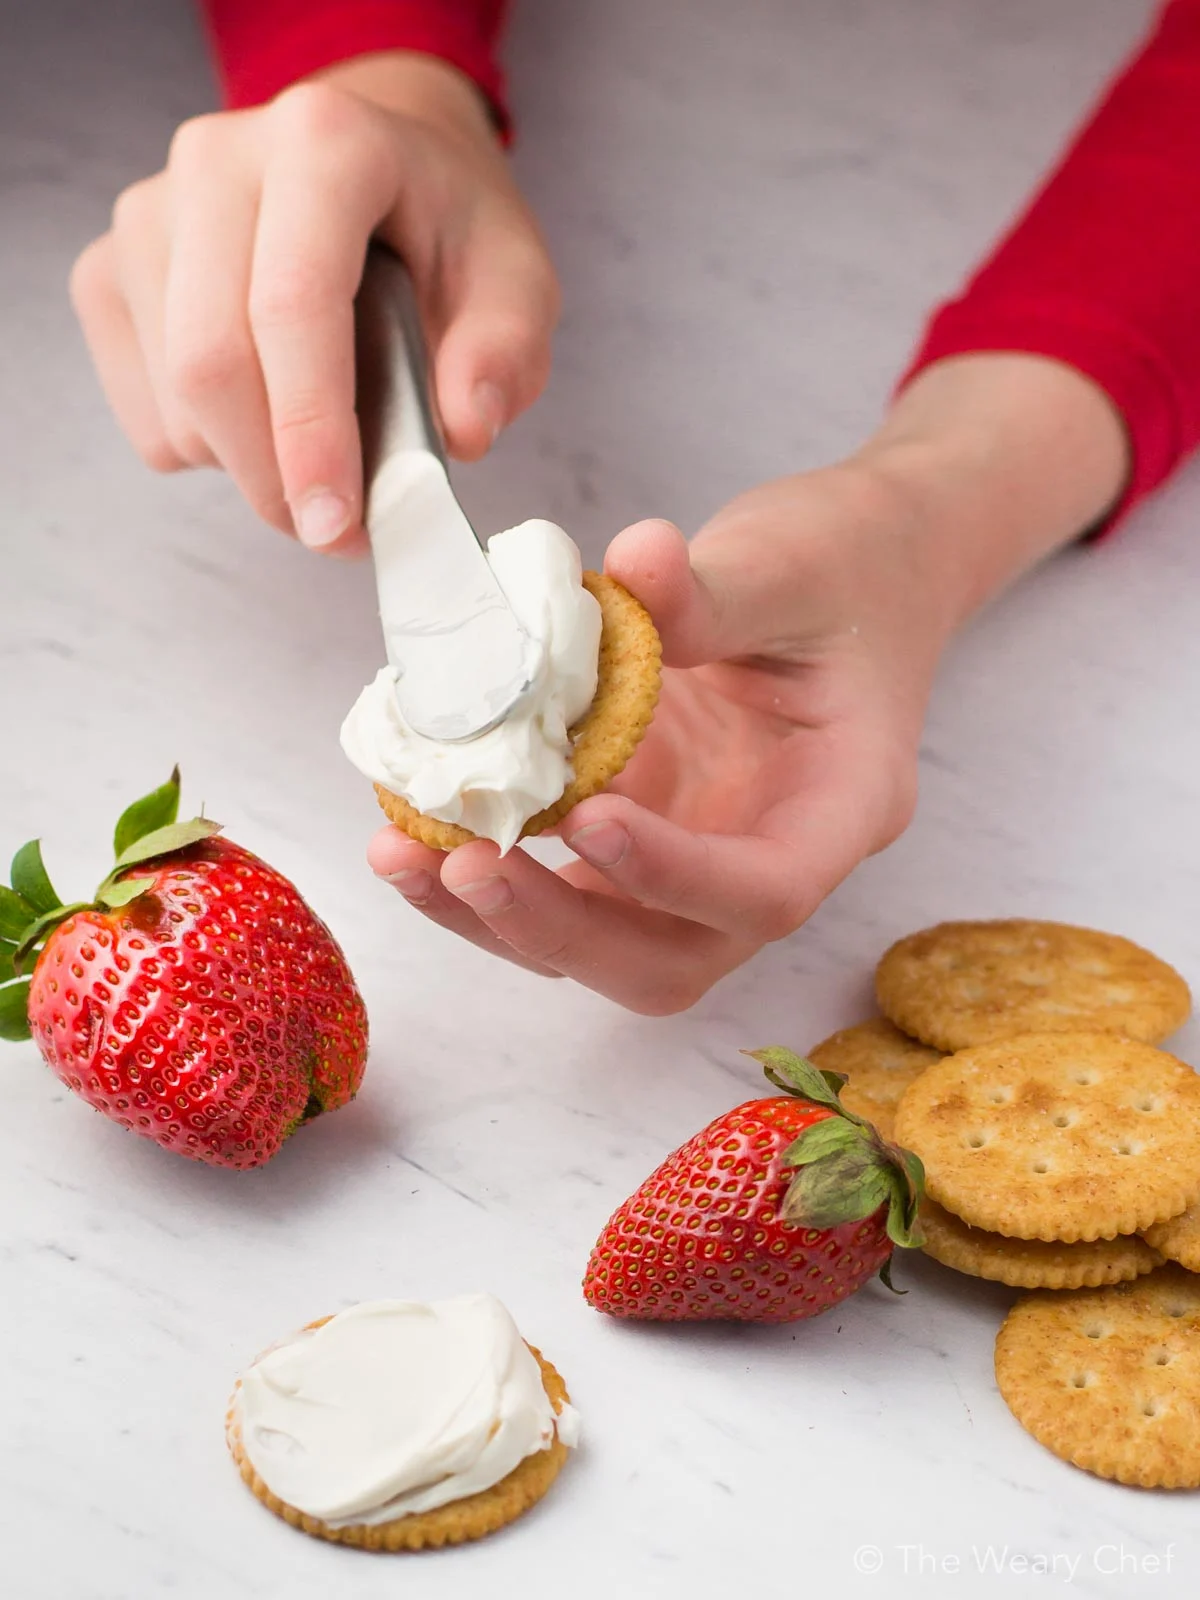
1062,1155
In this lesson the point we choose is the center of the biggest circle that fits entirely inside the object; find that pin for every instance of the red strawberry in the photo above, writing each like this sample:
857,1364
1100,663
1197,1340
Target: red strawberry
775,1211
196,1000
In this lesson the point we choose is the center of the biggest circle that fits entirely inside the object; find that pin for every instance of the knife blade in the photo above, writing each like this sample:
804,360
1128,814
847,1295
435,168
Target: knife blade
461,657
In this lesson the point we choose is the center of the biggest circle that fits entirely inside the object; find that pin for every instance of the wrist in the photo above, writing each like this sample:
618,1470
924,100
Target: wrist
423,87
1000,459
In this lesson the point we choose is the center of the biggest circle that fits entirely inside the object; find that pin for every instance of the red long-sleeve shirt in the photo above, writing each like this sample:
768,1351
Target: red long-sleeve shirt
1102,271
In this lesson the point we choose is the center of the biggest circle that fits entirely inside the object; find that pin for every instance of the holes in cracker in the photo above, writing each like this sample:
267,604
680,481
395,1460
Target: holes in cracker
1151,1408
1161,1358
1128,1147
1177,1310
1087,1076
1000,1097
1040,1165
1064,1119
1150,1103
1097,1330
977,1139
1082,1380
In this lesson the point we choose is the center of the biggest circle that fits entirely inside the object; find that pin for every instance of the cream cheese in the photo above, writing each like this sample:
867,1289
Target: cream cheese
494,784
396,1406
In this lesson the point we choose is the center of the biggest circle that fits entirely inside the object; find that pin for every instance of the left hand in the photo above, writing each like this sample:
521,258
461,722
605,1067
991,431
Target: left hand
800,634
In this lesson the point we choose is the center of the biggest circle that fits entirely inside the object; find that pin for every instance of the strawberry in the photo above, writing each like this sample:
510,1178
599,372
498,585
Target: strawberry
195,999
775,1211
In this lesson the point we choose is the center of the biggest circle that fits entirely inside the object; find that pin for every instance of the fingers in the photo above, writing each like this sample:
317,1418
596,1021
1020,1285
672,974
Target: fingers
413,871
141,252
773,575
842,796
220,309
732,884
643,959
329,179
493,355
113,345
698,622
209,353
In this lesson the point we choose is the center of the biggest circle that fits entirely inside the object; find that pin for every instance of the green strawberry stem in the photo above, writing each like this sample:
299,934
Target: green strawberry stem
30,909
845,1169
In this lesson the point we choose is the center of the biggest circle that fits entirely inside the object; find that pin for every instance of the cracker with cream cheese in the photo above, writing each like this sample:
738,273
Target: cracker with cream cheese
603,742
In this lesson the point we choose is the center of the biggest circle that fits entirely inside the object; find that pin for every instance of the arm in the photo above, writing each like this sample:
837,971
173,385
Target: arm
803,626
1102,271
809,615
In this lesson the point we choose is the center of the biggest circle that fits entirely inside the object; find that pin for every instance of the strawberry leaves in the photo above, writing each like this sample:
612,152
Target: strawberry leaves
30,879
847,1174
15,913
30,909
121,894
153,811
794,1075
835,1186
163,841
146,830
14,1011
846,1170
116,891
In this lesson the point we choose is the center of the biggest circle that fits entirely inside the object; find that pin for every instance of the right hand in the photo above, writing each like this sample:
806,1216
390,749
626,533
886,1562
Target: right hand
219,307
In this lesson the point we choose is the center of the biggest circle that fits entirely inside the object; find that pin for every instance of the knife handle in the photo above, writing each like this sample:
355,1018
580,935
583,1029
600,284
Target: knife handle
394,398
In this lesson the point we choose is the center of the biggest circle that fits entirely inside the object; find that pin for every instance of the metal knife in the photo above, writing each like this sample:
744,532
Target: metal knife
462,659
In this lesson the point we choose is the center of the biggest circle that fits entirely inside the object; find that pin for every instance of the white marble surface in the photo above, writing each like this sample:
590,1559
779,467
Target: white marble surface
751,206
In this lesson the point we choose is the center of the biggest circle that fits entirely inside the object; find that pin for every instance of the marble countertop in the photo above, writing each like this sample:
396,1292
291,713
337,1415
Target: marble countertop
751,207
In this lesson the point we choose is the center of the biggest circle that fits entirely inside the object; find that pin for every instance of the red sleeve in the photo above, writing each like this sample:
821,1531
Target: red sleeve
1103,270
261,46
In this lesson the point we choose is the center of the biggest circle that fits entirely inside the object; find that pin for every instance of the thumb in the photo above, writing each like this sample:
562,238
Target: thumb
492,358
704,610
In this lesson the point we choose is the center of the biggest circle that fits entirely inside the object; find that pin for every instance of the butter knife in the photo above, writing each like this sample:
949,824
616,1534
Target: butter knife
461,657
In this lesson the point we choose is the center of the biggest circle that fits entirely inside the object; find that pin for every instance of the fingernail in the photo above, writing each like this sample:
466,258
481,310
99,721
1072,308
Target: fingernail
416,886
490,407
320,517
487,896
602,845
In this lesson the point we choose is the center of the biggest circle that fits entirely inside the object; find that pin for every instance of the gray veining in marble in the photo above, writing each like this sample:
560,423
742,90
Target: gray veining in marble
752,206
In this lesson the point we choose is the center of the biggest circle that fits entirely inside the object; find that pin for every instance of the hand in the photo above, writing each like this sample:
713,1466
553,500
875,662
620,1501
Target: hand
800,644
801,632
219,307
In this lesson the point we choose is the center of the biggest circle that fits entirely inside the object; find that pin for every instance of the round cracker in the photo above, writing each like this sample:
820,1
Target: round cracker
879,1063
455,1523
603,741
1178,1238
1109,1379
1031,1263
1057,1135
968,983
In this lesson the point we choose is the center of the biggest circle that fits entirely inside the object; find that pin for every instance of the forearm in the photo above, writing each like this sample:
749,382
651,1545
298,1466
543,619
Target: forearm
1100,272
1000,459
